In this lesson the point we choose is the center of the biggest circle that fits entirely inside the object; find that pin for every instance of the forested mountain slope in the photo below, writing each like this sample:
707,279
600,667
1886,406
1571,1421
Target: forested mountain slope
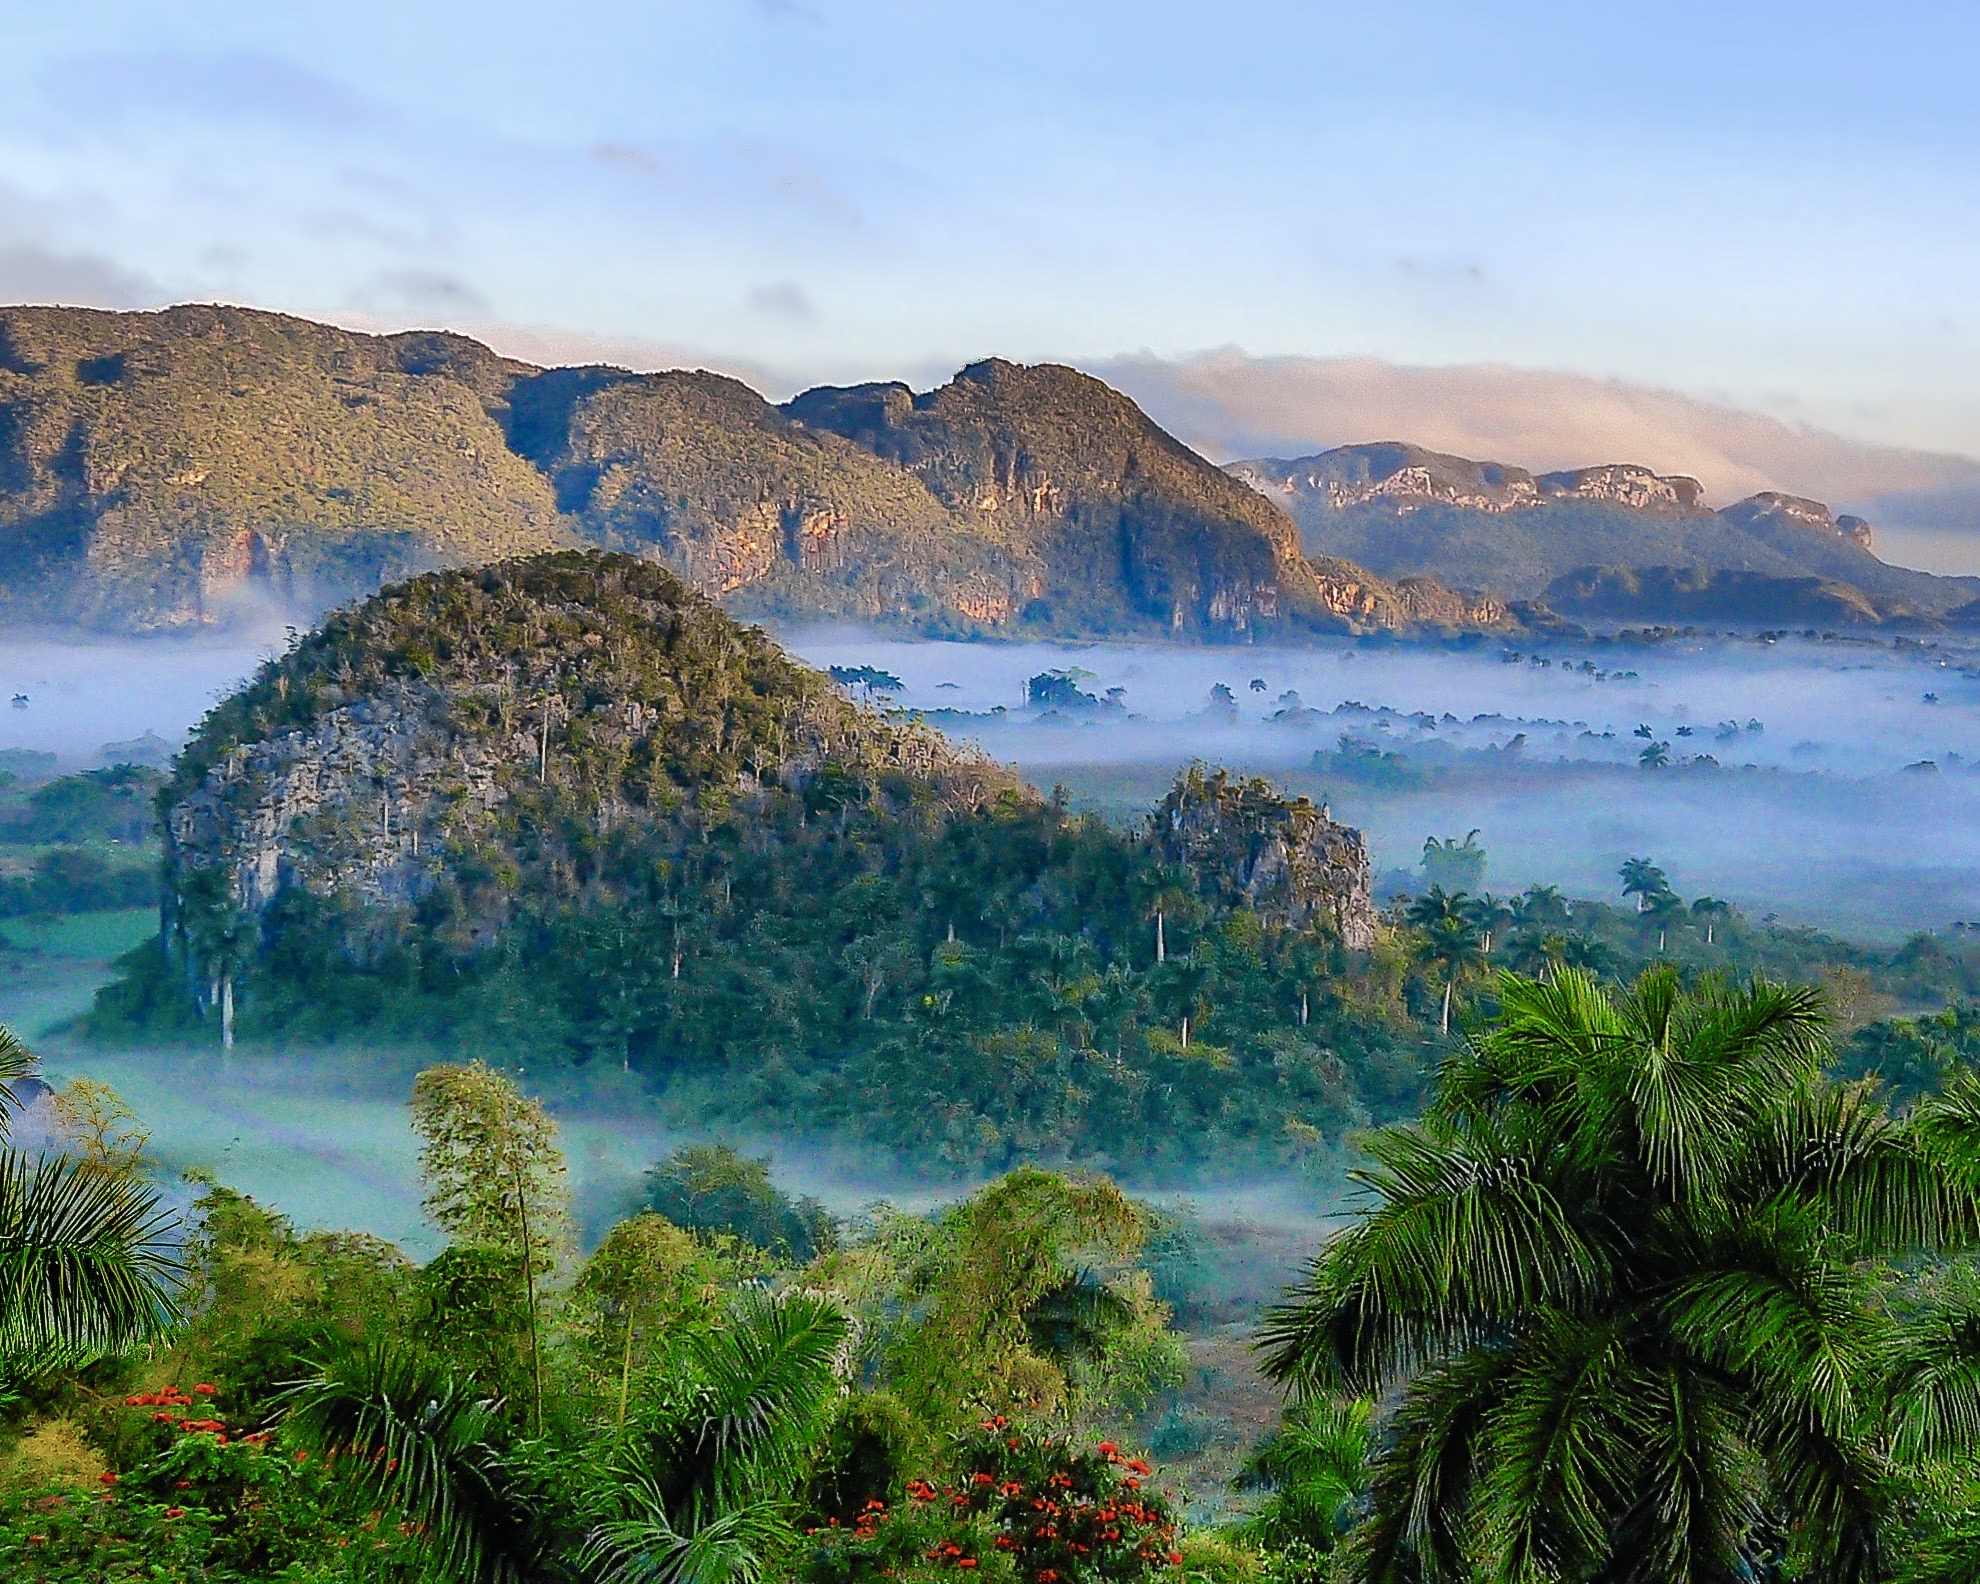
171,469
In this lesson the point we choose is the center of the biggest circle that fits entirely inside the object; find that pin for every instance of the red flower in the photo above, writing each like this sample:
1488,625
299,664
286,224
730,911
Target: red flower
175,1512
966,1562
1175,1557
107,1477
205,1389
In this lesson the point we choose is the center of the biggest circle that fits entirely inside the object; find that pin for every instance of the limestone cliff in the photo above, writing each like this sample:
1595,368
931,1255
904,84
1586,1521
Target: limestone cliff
1285,858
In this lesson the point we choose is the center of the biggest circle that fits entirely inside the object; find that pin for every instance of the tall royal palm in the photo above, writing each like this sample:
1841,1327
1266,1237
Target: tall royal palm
1629,1278
86,1266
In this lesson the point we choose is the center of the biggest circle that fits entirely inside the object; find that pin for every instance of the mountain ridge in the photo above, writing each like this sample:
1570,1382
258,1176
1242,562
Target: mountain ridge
159,470
1612,541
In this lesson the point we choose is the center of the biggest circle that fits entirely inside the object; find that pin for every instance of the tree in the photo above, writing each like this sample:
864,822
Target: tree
495,1179
1629,1277
1654,756
1005,1282
1487,915
1710,912
699,1487
711,1188
1316,1467
87,1265
1449,940
1541,907
105,1131
1664,910
1454,865
646,1283
1643,880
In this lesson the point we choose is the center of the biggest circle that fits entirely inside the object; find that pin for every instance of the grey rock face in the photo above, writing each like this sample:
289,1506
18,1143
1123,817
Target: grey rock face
1286,858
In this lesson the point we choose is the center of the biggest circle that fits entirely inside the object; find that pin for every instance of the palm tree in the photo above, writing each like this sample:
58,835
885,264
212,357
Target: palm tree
1664,910
1541,907
1654,756
1316,1467
1710,911
1488,914
1454,946
1627,1276
1643,880
698,1487
86,1265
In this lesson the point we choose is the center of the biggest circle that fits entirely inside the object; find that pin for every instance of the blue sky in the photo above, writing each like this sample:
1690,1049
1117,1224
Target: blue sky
1772,206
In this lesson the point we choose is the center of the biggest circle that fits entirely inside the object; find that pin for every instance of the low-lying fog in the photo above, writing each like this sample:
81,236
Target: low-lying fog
1834,824
1846,792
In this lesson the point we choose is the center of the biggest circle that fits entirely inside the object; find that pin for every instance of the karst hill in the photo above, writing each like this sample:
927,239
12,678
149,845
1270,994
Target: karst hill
174,469
567,808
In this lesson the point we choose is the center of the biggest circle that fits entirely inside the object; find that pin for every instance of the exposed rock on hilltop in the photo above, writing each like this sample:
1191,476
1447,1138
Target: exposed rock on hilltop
1284,858
1075,477
166,469
1617,541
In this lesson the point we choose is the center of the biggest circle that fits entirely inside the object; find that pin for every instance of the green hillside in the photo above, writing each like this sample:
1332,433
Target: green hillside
567,810
182,468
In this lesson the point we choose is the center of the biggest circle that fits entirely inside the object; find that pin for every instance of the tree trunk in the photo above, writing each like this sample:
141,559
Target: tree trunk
1450,986
1302,1009
1161,945
529,1287
227,1012
1185,1031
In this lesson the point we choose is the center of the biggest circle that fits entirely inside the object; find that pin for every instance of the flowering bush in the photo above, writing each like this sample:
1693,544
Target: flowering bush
1020,1502
200,1502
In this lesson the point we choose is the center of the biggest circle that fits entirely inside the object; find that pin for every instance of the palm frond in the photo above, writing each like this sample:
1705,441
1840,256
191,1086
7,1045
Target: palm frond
1418,1528
86,1263
1776,1307
15,1062
770,1372
1558,1457
734,1546
420,1440
1934,1373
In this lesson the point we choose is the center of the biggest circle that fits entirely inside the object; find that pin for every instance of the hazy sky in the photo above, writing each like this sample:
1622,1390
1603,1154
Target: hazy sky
1775,206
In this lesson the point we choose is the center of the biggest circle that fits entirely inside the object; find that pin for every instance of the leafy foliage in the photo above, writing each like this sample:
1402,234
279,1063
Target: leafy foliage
1627,1272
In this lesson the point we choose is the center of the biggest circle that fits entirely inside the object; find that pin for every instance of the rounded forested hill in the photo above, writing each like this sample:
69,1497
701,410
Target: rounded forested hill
565,810
471,742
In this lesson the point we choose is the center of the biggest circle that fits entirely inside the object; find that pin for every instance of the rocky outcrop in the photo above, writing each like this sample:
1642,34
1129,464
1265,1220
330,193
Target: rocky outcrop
1409,478
1286,858
1770,513
1627,484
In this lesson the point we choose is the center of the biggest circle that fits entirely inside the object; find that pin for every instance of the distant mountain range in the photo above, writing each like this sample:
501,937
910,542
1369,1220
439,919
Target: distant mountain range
1616,542
177,469
172,469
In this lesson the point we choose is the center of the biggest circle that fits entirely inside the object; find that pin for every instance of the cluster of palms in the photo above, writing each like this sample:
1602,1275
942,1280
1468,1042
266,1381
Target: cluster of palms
1654,1300
1662,908
1457,933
